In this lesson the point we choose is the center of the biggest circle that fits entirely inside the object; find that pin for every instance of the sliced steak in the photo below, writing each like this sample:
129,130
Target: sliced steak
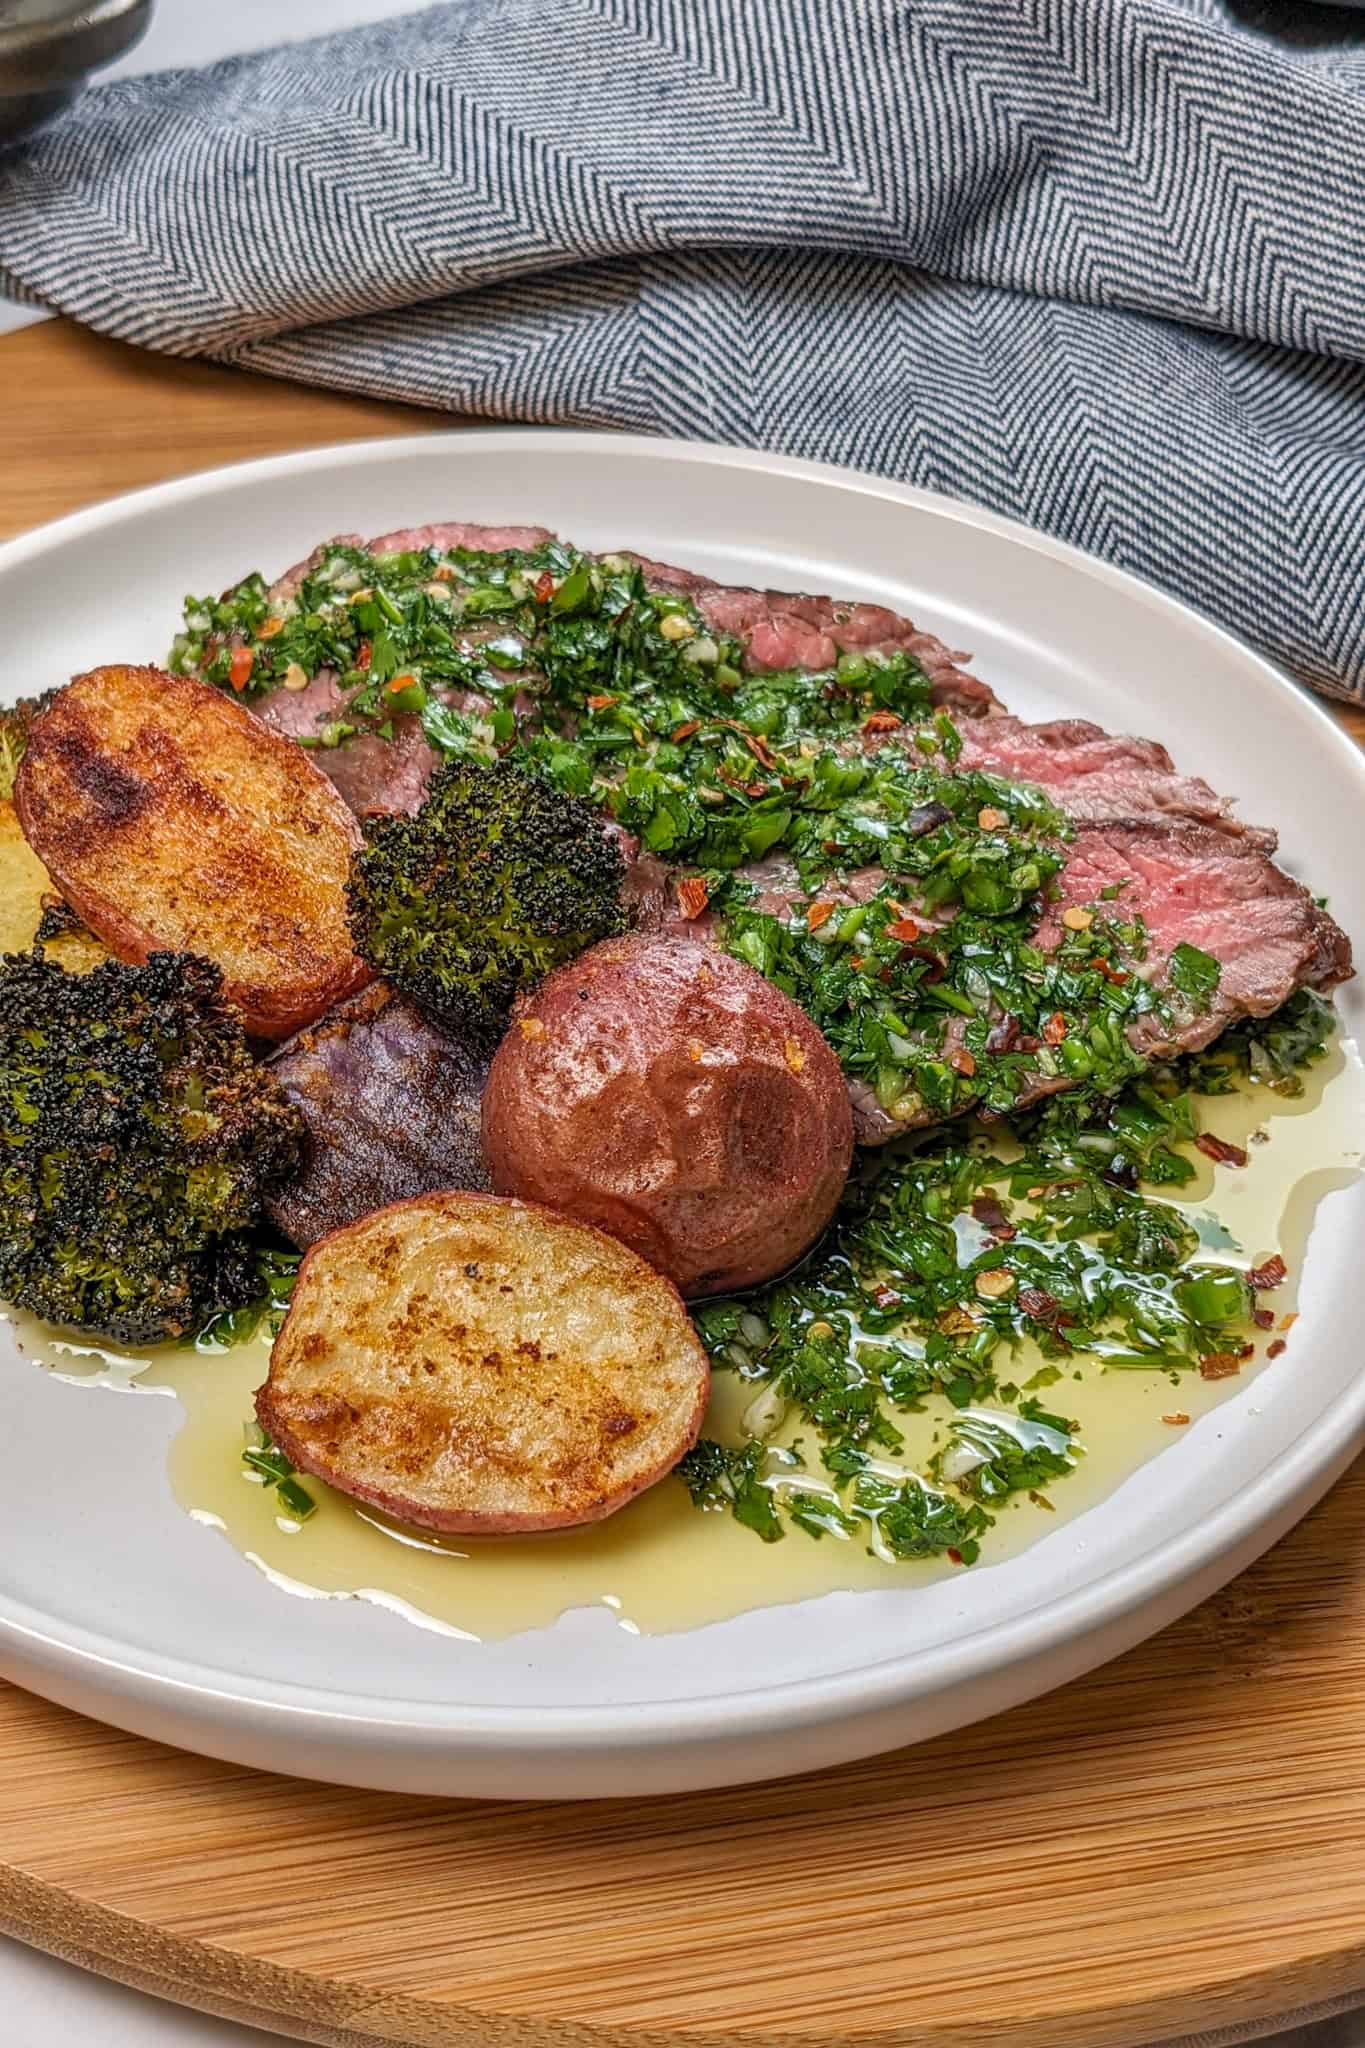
459,533
1182,862
1099,777
374,776
391,1109
777,630
1199,885
788,629
1193,884
491,540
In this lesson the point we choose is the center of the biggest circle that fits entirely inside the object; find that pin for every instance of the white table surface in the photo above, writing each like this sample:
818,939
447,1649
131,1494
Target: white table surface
46,2003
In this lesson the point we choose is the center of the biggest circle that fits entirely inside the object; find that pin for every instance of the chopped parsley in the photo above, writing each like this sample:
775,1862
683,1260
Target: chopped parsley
819,817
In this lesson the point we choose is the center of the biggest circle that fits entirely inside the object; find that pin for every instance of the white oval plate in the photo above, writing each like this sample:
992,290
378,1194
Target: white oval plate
116,1604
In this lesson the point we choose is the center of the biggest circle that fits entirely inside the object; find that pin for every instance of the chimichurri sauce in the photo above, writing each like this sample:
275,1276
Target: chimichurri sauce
818,822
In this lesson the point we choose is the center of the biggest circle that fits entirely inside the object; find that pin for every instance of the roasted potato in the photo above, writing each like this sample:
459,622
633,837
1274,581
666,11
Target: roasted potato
171,819
25,892
667,1093
483,1366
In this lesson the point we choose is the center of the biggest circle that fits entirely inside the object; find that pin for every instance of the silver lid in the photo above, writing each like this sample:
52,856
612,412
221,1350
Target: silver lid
48,47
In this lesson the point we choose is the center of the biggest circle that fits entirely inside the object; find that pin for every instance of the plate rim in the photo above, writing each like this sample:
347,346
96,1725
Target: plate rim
1288,1486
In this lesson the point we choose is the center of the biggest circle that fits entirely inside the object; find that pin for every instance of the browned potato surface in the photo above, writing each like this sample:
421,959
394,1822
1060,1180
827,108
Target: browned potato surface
669,1094
25,887
483,1366
171,819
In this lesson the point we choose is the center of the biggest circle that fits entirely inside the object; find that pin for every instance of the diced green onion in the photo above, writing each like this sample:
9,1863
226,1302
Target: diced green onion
295,1500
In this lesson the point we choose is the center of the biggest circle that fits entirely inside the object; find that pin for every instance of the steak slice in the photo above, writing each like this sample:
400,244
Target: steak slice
1199,885
390,1107
371,774
1182,862
777,629
1099,777
1192,884
790,629
459,533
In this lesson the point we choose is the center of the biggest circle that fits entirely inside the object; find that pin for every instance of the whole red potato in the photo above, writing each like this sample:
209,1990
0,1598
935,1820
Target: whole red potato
670,1095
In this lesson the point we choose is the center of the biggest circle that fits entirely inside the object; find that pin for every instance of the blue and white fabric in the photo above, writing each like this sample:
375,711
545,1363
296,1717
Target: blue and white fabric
1099,264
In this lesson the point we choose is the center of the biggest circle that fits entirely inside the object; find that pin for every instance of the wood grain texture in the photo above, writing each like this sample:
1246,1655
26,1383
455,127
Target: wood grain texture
1176,1843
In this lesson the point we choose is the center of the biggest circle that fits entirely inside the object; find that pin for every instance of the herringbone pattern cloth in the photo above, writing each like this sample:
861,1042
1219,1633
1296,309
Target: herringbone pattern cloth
1096,263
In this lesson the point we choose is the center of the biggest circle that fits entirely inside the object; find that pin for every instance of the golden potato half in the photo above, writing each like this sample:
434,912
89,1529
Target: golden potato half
25,884
483,1366
171,819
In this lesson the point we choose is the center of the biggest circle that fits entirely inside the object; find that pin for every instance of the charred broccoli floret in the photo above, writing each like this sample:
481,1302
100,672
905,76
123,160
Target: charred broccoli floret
498,879
137,1137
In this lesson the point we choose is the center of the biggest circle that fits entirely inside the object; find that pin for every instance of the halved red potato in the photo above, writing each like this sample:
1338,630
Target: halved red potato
483,1366
665,1092
172,820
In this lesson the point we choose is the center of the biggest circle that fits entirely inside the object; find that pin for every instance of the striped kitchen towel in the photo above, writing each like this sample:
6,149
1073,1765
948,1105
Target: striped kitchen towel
1096,263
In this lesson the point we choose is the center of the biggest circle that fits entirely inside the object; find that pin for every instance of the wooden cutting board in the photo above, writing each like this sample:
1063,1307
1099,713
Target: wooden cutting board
1173,1845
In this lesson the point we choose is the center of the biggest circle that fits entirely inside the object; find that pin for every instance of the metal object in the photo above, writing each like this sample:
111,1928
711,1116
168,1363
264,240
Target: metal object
49,47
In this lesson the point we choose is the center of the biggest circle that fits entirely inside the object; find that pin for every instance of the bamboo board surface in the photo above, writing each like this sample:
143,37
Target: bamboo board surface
1174,1844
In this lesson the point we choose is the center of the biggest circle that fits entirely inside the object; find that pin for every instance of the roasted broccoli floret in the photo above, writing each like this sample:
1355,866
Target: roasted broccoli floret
498,879
137,1138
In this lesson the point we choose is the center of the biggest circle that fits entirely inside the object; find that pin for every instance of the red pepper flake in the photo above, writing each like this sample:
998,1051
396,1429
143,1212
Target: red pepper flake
1179,1417
543,589
760,749
818,914
961,1062
905,929
240,667
744,788
937,965
691,892
685,731
1112,973
882,721
1220,1365
992,1217
1272,1274
1264,1318
955,1555
855,961
364,654
1274,1350
1054,1031
400,683
600,701
1002,1033
1037,1302
1220,1153
885,1297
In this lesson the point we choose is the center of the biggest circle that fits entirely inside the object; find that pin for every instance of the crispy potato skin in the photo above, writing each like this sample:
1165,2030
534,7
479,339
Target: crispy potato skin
670,1095
484,1367
171,819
